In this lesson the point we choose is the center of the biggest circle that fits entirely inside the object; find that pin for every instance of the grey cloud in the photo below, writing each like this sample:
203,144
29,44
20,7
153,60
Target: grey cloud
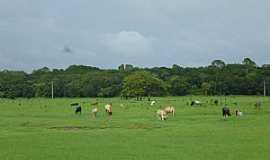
143,32
128,43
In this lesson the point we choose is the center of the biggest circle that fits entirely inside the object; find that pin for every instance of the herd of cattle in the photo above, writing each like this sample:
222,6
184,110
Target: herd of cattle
78,108
162,113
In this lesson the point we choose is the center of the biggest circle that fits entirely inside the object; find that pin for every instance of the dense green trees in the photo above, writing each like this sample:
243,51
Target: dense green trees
219,64
248,61
141,84
178,86
85,81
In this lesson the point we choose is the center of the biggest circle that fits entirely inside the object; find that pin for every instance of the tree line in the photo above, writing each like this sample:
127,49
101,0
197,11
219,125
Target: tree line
127,81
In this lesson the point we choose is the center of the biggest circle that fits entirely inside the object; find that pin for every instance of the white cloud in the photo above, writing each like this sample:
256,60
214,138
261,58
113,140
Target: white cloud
128,43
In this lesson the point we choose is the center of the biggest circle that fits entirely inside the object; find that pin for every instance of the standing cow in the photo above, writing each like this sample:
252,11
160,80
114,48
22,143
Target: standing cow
94,112
108,109
78,109
238,113
226,112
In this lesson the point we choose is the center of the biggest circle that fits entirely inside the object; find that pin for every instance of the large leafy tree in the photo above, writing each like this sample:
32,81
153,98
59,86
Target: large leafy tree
142,83
218,64
249,62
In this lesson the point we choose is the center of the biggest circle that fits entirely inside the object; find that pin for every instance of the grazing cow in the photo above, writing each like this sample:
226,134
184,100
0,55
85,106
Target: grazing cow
238,113
94,111
169,109
78,109
153,103
226,112
162,114
108,109
195,103
216,102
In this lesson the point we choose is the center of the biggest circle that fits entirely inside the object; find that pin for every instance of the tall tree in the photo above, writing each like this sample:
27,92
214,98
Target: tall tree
218,64
249,62
141,84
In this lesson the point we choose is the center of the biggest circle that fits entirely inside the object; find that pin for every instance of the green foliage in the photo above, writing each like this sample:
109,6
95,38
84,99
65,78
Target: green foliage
111,91
126,67
218,63
249,62
80,69
206,87
179,86
141,84
87,81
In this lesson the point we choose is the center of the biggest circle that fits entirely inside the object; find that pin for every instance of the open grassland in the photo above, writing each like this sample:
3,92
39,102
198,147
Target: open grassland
37,129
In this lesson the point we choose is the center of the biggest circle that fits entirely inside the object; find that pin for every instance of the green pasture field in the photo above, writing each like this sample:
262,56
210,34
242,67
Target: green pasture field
46,129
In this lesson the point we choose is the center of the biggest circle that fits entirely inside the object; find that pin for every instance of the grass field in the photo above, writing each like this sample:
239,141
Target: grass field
37,129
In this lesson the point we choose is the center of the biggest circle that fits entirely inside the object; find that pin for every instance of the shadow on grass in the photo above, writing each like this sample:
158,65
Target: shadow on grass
102,127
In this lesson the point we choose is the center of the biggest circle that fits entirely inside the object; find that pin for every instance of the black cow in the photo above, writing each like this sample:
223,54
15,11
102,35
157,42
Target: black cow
216,102
226,112
78,109
196,102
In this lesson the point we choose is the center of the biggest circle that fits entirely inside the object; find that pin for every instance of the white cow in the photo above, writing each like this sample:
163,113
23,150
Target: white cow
162,114
169,109
238,113
94,111
196,102
108,109
153,103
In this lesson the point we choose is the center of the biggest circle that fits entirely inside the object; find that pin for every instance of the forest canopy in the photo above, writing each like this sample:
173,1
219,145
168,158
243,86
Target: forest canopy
127,81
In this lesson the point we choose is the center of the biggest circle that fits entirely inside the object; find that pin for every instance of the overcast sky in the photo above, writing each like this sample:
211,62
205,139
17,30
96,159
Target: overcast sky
107,33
